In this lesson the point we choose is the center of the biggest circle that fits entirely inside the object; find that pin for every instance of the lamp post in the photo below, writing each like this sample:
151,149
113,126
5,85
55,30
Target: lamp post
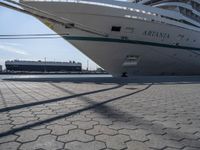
44,64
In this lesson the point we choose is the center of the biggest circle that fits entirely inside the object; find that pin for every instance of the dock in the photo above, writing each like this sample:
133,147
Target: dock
100,113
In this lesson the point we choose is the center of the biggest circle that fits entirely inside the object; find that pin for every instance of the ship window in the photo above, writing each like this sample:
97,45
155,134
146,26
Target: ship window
69,25
116,28
131,61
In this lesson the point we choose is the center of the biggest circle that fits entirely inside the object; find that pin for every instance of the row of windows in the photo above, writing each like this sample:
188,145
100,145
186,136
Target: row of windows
182,21
186,12
189,14
156,2
195,5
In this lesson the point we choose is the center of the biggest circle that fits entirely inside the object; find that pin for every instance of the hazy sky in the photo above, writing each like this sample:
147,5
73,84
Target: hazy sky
12,22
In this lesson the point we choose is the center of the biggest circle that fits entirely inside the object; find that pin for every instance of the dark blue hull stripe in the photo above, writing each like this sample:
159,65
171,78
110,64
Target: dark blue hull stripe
99,39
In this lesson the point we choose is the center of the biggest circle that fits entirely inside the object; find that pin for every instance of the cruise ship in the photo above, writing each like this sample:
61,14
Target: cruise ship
134,37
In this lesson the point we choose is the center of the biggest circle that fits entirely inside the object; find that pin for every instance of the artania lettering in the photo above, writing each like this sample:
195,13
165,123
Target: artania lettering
157,34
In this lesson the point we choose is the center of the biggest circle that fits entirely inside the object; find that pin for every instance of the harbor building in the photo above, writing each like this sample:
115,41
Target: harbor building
43,66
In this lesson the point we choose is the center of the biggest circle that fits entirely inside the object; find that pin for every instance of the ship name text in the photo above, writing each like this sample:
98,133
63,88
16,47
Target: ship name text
156,34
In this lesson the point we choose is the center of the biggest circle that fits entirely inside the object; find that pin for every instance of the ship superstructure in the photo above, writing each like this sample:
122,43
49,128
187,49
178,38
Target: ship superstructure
139,37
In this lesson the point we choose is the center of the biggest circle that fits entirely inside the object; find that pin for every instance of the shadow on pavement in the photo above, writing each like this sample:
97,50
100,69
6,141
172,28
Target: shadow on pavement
93,105
56,99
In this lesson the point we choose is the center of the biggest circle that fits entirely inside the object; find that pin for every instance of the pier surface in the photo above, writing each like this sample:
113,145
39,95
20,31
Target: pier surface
141,113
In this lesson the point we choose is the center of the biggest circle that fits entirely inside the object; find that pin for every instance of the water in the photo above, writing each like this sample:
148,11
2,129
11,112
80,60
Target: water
52,76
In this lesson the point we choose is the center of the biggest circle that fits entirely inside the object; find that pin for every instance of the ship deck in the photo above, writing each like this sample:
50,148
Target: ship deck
140,113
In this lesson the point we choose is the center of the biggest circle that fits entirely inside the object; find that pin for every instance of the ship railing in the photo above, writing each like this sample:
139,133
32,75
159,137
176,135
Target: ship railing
105,3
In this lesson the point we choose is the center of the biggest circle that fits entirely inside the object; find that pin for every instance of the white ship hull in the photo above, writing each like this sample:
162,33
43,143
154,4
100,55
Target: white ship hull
154,60
141,48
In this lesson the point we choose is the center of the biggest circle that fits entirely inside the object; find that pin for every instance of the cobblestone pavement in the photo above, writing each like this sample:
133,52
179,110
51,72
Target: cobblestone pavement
86,115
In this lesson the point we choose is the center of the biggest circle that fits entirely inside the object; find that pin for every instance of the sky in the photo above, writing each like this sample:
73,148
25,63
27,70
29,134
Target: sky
13,22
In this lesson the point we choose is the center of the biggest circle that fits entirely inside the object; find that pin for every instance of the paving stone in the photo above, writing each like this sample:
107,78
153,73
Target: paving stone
104,121
85,125
38,109
61,129
169,148
136,135
4,116
158,142
114,142
60,122
101,129
22,114
195,122
9,146
154,129
170,124
31,135
174,134
95,145
197,134
43,142
78,118
44,112
136,145
188,129
5,127
122,125
190,148
22,120
4,122
45,116
9,138
76,135
39,127
191,143
183,120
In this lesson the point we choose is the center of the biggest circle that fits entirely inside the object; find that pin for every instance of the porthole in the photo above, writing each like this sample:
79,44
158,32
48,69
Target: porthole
116,28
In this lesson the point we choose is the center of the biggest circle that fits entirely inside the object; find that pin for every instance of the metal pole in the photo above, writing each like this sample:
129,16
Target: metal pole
44,64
